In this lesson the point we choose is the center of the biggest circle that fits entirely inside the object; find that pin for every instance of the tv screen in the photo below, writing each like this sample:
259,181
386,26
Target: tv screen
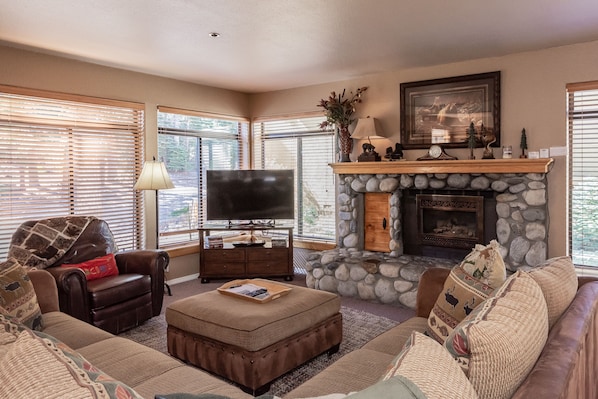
250,195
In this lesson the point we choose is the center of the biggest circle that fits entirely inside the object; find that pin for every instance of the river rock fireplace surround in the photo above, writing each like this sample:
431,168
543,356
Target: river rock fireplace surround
518,186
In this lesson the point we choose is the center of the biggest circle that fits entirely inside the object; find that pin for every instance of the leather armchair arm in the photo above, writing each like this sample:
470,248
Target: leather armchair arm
146,262
72,291
430,286
45,290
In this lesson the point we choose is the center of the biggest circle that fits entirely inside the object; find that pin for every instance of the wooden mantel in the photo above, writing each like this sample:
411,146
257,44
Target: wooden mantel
542,165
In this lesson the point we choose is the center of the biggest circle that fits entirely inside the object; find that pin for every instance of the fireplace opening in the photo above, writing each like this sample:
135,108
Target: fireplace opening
447,224
453,221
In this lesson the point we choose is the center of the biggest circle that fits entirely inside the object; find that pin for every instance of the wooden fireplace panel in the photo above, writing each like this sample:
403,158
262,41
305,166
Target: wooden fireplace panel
377,222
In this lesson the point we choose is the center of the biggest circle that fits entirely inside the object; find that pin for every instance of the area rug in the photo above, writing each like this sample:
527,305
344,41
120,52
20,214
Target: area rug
359,327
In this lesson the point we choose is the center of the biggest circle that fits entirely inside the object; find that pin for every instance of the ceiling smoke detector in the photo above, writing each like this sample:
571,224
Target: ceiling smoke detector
214,34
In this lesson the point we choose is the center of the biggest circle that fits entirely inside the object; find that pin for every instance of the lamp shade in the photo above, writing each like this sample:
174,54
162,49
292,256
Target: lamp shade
153,177
367,128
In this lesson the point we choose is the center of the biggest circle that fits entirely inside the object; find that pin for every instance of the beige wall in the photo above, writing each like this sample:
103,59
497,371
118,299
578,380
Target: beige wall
38,71
533,96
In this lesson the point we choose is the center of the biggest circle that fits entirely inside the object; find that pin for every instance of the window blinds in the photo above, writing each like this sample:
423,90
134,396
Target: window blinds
66,155
583,172
190,143
297,142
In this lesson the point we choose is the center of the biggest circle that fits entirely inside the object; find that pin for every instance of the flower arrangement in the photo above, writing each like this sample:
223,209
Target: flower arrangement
339,110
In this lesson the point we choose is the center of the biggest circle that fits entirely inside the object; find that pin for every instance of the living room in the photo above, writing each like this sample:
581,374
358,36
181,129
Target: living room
533,96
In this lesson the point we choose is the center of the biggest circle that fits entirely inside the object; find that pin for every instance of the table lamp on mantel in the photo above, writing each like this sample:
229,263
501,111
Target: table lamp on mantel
368,128
154,177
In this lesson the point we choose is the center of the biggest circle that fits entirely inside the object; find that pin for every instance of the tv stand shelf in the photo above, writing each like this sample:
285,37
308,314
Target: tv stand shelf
245,261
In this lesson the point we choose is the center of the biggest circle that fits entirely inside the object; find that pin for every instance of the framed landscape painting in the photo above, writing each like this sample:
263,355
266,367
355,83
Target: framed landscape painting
439,111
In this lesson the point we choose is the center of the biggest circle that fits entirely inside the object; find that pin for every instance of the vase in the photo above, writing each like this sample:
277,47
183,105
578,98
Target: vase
345,143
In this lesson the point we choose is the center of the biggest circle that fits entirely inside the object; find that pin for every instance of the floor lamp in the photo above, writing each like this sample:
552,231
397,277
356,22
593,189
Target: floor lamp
155,177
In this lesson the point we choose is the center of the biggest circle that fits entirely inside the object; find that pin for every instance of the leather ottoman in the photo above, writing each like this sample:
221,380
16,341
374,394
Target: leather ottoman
252,343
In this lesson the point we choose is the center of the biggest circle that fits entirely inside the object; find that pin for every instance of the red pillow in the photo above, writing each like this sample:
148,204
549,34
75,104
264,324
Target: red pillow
103,266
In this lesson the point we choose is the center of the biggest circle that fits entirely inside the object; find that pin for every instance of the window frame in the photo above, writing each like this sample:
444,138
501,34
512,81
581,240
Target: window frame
86,127
243,134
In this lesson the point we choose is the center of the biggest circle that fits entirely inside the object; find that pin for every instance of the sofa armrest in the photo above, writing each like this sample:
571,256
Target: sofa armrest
72,291
146,262
45,290
430,286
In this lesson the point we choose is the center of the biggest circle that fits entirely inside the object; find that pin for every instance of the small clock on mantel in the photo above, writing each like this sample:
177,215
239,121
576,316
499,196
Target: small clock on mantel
436,153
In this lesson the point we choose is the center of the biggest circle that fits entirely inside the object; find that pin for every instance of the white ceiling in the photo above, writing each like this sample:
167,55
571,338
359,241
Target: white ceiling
268,45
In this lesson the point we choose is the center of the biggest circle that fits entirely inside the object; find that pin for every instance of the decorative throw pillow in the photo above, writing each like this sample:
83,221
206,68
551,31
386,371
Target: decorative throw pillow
558,281
486,264
103,266
17,296
431,368
460,295
41,367
499,342
468,284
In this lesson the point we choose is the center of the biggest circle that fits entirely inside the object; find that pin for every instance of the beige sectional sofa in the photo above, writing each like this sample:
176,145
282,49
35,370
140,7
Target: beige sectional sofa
565,368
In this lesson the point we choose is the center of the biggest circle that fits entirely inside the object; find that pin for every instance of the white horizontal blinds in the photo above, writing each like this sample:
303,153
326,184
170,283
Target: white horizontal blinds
299,143
583,170
190,143
66,155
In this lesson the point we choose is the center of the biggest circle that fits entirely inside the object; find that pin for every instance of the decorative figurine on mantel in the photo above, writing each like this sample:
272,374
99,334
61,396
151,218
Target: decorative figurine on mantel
471,140
368,154
395,155
523,144
488,138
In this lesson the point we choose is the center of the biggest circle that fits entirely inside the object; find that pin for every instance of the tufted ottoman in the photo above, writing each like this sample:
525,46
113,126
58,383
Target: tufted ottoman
254,343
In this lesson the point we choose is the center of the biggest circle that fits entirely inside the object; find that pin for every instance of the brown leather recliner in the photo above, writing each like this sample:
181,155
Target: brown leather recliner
113,303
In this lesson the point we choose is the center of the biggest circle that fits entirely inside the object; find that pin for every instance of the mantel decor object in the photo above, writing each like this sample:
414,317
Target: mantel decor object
339,112
439,111
368,128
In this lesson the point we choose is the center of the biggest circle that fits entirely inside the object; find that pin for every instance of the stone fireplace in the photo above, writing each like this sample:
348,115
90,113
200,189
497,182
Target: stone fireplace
518,220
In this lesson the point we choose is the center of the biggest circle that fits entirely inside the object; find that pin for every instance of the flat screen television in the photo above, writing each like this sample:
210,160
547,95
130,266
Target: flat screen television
250,195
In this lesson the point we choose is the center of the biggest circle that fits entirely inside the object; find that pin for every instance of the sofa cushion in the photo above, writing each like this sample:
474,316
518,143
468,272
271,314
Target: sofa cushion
38,366
499,342
17,296
467,285
99,267
558,281
431,368
460,295
485,263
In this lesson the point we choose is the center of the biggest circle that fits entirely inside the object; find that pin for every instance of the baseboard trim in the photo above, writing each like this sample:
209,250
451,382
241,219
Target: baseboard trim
183,279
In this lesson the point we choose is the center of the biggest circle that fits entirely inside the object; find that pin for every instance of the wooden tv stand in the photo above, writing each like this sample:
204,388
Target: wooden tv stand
238,260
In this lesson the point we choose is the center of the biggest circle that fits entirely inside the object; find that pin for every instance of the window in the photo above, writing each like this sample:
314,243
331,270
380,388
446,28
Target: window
189,143
69,155
583,172
299,143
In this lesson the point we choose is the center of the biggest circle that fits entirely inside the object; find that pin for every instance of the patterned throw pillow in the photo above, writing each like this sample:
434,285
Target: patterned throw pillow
41,367
486,264
103,266
499,342
17,296
468,284
431,368
558,281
